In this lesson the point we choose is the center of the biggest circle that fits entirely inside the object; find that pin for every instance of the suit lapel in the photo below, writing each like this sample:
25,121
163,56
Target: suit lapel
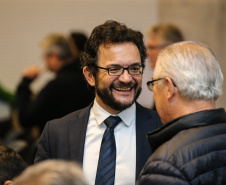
143,125
77,134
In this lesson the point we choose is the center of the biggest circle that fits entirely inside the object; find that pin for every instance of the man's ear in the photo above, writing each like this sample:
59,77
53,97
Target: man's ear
8,182
171,89
89,76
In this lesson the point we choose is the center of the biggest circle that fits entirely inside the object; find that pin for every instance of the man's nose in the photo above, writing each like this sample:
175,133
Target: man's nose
125,77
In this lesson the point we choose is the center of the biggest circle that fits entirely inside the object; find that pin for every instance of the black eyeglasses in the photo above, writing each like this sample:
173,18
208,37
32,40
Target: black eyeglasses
150,84
118,70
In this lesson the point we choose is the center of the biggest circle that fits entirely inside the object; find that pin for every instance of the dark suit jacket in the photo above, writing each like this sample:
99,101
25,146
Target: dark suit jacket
65,138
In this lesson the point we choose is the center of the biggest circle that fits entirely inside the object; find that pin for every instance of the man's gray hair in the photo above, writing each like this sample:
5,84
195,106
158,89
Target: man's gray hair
193,67
52,172
56,43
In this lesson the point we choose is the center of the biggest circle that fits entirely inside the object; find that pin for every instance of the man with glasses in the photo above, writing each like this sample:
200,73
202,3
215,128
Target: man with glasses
159,36
108,138
190,148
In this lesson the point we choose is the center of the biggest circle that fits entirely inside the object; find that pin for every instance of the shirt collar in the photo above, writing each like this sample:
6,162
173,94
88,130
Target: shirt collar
127,115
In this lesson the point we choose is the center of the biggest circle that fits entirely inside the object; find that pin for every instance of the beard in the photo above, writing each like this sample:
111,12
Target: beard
108,98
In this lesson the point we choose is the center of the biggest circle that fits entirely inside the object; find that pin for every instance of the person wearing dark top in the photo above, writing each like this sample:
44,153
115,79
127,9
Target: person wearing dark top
113,62
66,93
190,147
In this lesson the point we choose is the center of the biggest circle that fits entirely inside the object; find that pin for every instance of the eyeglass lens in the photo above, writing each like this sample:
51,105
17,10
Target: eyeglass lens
132,70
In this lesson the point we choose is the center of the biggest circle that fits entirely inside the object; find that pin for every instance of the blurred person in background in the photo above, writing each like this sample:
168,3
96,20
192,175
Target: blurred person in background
11,165
64,94
190,147
158,37
52,172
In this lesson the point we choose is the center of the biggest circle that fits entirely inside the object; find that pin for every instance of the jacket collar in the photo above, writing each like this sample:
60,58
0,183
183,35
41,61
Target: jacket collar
202,118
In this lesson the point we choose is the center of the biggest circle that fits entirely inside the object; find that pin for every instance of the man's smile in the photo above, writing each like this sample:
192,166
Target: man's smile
127,89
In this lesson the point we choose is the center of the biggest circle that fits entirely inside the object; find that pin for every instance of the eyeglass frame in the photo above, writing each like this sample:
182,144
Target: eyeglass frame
141,69
150,84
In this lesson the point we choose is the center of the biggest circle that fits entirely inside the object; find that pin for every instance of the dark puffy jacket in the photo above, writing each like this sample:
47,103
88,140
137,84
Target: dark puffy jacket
189,150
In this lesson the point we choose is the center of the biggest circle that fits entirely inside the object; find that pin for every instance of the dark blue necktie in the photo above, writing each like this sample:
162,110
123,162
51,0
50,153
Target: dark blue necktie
107,158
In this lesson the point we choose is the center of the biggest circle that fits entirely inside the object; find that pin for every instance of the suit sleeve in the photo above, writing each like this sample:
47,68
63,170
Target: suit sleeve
35,111
161,172
43,152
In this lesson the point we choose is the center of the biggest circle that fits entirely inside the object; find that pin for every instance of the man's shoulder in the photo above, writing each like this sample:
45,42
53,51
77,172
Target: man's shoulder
145,111
147,119
65,120
182,142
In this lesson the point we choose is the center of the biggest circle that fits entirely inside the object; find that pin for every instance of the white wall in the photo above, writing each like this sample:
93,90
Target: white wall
202,21
23,23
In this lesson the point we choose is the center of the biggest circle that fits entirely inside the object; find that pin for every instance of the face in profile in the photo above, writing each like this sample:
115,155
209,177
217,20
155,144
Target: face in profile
155,44
117,92
48,62
52,62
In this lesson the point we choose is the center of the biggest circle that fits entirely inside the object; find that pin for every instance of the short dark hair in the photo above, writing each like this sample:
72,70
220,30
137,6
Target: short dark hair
11,164
111,32
79,39
169,32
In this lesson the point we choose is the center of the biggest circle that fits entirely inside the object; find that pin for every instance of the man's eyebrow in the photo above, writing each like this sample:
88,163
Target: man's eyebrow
118,65
137,63
114,65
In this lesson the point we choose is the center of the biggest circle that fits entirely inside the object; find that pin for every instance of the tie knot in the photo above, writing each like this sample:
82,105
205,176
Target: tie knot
112,121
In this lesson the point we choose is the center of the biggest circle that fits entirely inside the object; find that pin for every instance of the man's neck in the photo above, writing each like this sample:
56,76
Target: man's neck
185,107
106,107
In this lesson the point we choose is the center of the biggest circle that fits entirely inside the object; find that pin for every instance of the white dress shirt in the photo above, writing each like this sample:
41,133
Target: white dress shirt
125,139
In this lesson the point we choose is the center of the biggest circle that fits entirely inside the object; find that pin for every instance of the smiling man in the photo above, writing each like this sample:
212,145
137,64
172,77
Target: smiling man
108,138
